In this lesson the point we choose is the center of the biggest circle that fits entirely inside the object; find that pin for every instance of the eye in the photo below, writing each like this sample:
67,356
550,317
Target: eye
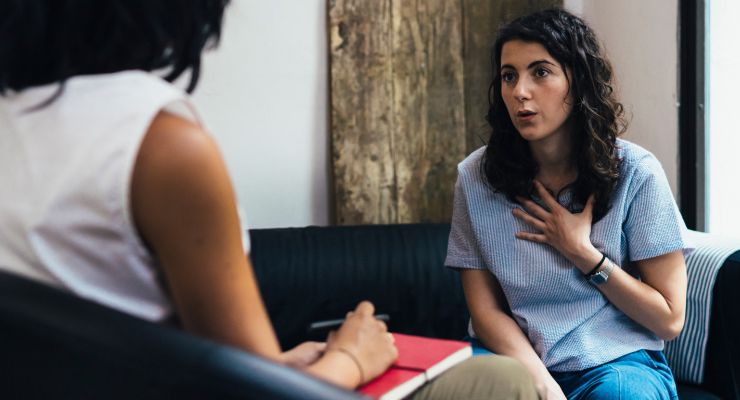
508,77
541,72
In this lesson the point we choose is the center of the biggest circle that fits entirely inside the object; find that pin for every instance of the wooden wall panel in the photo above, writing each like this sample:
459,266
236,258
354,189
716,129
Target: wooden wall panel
409,83
428,107
361,111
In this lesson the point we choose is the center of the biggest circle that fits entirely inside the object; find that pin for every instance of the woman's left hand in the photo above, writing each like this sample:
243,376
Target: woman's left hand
568,233
304,354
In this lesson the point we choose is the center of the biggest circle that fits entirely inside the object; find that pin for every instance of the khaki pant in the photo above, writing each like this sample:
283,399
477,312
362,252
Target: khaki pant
479,378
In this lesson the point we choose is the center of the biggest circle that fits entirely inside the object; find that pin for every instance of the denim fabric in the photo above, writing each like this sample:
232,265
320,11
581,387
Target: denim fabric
643,374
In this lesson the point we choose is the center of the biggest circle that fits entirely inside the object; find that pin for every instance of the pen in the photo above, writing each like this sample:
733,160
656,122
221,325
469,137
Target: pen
333,323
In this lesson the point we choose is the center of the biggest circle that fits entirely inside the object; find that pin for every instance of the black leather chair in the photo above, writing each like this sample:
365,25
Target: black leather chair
54,345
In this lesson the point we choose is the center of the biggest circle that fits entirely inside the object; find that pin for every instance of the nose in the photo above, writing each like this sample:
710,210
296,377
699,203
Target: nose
522,90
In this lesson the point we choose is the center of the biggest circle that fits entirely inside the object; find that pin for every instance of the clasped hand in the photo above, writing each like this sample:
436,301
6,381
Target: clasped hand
568,233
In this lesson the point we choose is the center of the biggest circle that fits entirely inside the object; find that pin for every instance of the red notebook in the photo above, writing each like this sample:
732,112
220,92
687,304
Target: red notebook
420,359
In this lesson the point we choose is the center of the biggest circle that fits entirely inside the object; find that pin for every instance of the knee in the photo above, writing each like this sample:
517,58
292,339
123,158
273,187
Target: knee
608,387
504,374
628,383
502,366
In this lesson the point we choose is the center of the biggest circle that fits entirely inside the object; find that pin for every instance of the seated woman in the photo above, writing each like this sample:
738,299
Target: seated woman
114,191
569,242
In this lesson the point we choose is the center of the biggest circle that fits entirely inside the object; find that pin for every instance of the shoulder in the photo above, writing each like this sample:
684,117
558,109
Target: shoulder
471,165
179,179
131,81
125,93
177,146
641,171
636,161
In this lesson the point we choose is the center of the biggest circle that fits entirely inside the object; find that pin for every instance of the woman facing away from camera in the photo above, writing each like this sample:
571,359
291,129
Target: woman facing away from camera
569,242
114,191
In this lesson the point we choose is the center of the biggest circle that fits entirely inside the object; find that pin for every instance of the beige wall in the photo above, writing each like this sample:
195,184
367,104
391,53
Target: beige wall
641,39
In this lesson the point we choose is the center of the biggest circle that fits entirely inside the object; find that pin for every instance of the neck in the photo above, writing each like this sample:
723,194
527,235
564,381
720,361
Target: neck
554,158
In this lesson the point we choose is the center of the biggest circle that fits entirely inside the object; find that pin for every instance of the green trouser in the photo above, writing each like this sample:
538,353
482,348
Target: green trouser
482,377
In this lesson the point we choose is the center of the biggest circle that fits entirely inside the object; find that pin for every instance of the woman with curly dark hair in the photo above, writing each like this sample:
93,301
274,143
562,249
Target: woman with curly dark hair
569,242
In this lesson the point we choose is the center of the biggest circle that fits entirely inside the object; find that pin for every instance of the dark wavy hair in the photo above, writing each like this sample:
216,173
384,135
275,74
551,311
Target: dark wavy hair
50,41
597,116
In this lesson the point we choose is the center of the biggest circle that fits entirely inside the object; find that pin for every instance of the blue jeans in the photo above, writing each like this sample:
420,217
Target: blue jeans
643,374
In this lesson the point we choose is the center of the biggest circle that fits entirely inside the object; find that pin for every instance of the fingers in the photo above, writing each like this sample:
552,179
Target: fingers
528,219
545,195
533,208
365,308
532,237
364,313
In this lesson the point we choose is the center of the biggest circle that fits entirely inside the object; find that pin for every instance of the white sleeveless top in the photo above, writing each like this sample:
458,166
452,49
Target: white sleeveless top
65,174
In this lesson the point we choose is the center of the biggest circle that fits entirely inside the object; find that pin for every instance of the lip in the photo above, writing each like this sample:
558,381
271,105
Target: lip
525,115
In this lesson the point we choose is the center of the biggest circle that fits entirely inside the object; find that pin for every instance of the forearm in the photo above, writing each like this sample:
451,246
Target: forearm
642,302
336,368
500,333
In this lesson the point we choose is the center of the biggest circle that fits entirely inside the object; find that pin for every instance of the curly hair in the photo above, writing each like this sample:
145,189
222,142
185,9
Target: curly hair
597,116
50,41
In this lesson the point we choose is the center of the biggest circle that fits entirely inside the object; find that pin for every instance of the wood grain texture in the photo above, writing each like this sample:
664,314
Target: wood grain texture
428,107
361,111
409,83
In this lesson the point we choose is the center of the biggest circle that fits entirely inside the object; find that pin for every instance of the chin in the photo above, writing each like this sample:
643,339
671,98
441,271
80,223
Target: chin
531,135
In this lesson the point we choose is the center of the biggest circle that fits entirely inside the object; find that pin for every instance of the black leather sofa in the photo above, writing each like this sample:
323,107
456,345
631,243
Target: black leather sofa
57,346
317,273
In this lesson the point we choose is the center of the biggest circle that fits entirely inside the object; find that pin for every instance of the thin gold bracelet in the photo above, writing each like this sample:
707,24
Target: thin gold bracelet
355,360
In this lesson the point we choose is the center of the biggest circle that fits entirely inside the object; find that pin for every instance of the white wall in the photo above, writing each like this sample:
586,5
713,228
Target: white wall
263,95
641,40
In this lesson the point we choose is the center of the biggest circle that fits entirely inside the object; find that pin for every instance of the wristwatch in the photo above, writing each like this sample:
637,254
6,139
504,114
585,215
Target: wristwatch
601,276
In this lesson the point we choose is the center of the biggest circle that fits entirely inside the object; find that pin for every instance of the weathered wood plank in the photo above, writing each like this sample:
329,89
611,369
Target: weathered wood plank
361,111
428,108
481,21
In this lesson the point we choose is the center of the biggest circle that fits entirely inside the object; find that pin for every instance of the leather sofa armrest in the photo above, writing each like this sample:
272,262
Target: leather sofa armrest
722,372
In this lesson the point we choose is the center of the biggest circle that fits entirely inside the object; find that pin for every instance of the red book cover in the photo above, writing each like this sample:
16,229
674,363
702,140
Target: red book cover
395,383
420,359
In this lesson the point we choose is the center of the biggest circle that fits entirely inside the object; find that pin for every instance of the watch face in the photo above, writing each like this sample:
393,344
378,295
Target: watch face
599,278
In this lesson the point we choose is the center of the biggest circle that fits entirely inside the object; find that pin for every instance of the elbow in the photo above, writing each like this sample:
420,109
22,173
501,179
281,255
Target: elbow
671,329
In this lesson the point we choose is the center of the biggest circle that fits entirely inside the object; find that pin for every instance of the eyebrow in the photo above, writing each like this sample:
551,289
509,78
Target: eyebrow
531,65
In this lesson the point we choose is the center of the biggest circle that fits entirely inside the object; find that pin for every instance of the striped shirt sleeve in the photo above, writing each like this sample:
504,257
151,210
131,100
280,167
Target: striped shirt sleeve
462,248
653,224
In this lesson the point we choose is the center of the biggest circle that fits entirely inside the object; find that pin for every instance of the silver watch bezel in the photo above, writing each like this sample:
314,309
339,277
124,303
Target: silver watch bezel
602,276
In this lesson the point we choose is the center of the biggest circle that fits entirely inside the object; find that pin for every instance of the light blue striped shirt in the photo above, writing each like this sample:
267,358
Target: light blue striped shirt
571,325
